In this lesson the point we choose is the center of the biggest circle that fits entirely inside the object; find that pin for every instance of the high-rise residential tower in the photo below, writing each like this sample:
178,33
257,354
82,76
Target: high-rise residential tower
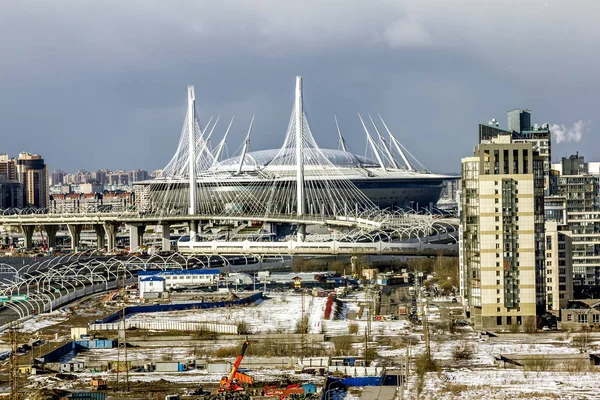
33,174
502,231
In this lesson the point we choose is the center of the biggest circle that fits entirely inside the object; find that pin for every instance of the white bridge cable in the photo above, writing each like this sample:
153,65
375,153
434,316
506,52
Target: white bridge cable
403,151
263,185
216,194
328,192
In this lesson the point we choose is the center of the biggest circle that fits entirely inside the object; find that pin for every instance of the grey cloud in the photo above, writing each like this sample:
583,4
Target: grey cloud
102,83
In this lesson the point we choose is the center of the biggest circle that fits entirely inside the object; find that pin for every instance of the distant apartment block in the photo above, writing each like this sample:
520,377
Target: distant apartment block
502,258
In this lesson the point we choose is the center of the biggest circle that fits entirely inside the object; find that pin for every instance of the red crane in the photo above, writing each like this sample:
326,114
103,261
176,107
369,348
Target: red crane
236,381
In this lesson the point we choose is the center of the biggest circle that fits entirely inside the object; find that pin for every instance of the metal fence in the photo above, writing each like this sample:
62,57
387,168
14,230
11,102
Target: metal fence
169,326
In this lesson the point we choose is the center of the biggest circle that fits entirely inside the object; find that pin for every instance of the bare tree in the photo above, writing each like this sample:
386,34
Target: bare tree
583,340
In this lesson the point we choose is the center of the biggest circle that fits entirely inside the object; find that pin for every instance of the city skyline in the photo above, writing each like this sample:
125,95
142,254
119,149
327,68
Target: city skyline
429,76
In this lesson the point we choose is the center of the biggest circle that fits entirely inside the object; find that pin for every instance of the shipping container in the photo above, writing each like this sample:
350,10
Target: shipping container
363,381
218,367
168,366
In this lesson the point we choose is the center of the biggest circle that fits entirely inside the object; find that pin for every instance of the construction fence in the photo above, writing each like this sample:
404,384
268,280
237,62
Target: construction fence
168,326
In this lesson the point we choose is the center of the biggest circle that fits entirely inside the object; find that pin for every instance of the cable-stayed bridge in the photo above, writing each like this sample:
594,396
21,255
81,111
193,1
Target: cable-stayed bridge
310,190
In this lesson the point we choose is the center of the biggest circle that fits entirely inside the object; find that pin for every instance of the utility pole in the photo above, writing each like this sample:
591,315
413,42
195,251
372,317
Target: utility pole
407,371
426,333
366,347
122,336
13,364
303,327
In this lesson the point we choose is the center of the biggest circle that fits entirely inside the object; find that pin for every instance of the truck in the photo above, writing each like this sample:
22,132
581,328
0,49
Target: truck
283,393
236,381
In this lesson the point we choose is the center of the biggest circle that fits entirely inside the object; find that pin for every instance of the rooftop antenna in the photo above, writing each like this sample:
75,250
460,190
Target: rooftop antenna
245,148
370,139
397,145
342,141
385,146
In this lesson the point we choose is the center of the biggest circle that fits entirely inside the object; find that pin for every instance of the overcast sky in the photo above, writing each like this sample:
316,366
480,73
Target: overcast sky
103,84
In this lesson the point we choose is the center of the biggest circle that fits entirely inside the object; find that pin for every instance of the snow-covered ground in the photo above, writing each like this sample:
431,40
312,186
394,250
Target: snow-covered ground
42,321
500,383
476,378
280,313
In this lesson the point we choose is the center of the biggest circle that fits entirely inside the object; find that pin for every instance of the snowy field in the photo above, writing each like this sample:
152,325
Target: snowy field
510,384
476,378
42,321
280,313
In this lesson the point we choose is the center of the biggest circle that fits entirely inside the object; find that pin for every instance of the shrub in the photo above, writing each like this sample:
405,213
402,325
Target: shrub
342,344
229,351
243,328
530,325
537,363
371,354
582,340
353,328
425,363
463,351
302,325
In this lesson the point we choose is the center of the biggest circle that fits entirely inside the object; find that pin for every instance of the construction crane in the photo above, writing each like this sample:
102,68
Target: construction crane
236,381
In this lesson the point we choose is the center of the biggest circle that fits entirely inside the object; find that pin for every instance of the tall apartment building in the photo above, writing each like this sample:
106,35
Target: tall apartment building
119,177
502,225
581,191
137,175
559,266
522,131
58,177
33,174
8,168
11,190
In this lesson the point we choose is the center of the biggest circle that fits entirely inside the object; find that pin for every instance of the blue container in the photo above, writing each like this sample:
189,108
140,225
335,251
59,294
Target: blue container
363,381
87,396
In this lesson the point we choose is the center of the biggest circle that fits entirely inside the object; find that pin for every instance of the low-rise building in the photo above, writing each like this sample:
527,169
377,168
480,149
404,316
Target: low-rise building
581,313
151,286
179,279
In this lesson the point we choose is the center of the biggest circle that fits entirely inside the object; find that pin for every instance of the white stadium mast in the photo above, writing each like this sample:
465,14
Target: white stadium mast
299,156
192,158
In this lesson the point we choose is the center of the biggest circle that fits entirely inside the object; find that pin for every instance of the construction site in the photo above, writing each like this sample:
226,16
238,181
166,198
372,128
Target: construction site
284,335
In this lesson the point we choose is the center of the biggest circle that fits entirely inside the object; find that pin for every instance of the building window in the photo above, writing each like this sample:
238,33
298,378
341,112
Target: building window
498,320
596,318
569,317
582,318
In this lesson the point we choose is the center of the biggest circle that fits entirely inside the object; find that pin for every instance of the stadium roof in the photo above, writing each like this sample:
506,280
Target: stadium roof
262,158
